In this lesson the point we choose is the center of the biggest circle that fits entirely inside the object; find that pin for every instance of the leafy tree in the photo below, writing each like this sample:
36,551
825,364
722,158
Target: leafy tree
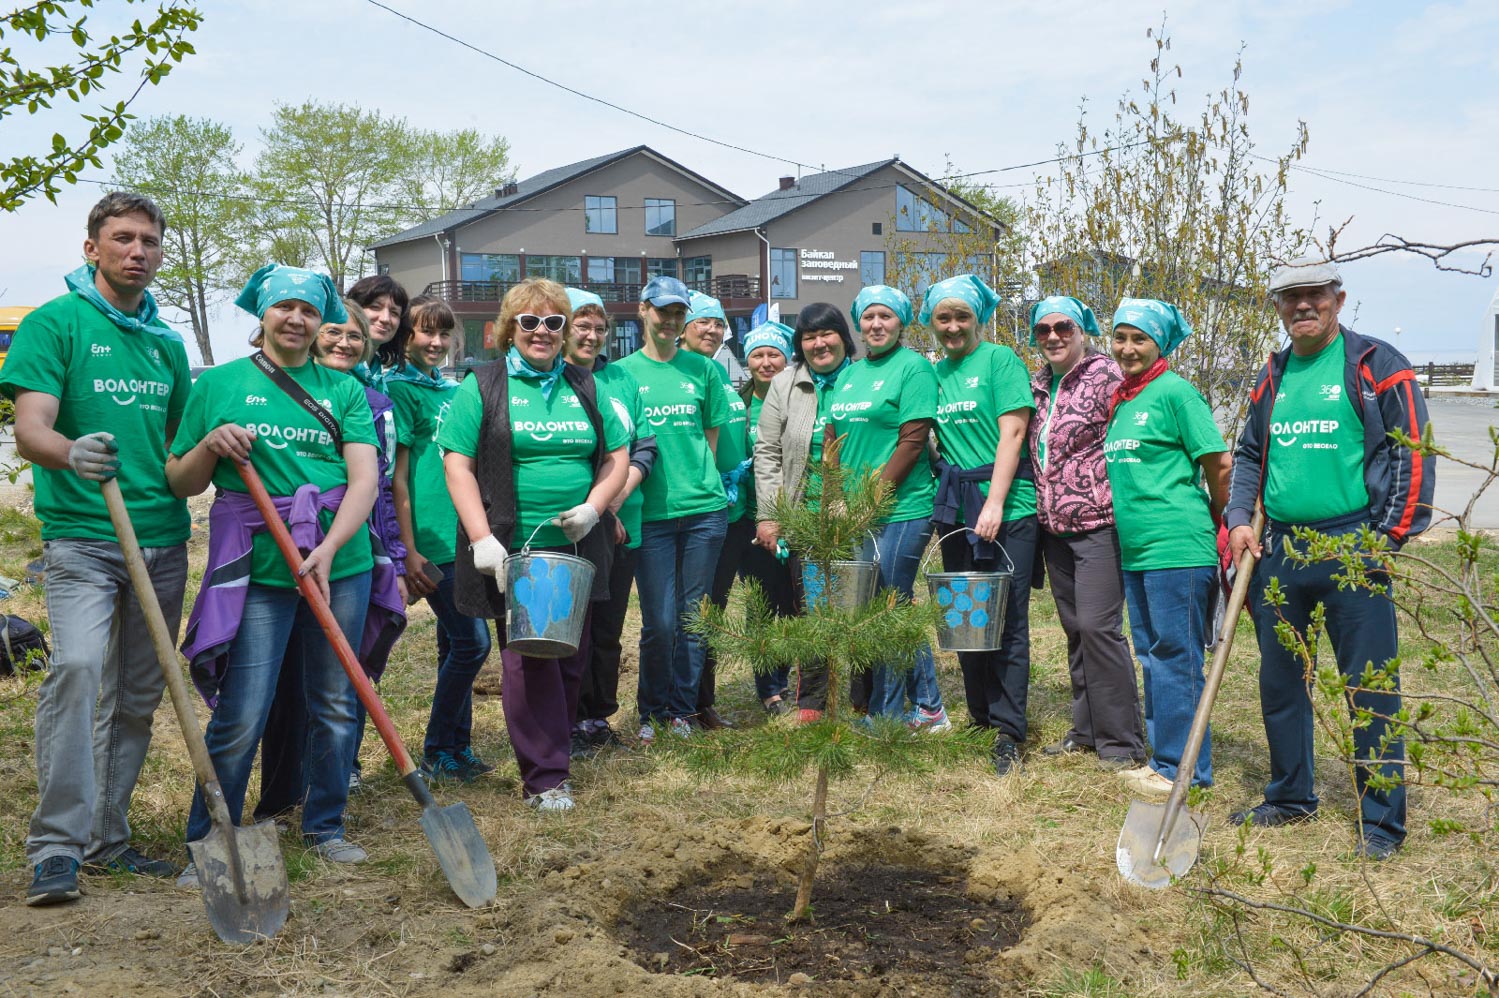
441,171
188,167
61,26
1187,211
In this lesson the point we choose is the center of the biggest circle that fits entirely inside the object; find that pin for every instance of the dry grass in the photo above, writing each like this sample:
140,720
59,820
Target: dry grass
1048,832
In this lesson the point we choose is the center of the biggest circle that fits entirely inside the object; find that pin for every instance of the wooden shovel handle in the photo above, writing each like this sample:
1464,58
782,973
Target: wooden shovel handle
335,634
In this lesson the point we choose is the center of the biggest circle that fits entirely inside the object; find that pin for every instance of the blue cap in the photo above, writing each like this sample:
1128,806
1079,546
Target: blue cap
663,291
770,334
577,298
1161,321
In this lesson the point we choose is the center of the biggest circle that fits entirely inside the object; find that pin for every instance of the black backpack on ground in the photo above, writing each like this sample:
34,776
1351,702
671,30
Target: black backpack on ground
22,646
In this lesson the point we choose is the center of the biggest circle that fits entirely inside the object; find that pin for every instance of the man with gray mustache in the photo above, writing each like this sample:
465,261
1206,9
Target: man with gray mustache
1316,448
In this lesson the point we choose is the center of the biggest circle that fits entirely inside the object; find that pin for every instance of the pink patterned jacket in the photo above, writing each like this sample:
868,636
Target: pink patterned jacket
1072,493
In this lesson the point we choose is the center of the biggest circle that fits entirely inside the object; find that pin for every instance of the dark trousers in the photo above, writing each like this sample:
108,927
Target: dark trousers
462,646
1088,585
283,785
997,683
736,541
540,702
1361,627
776,580
598,697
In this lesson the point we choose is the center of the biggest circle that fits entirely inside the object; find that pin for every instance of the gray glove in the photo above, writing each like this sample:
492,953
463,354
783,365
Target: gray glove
489,558
578,521
94,457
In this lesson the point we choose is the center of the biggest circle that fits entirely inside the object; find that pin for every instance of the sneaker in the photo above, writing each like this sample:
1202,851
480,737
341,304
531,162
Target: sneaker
680,727
470,764
808,715
777,705
442,767
601,735
1119,763
356,782
1145,779
555,800
132,860
1268,815
1376,848
56,881
340,850
1067,746
646,734
934,721
580,745
189,877
1006,755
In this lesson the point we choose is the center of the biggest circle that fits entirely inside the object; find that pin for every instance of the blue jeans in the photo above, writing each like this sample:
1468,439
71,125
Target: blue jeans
462,647
1168,623
278,625
901,546
673,571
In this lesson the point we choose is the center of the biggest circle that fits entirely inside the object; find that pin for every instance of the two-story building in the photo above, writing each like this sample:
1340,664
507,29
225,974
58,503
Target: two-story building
611,223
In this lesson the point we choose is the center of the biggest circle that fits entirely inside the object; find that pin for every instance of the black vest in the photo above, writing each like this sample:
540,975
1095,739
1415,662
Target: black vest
474,592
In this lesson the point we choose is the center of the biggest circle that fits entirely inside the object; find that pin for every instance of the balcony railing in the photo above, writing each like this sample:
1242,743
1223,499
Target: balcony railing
728,287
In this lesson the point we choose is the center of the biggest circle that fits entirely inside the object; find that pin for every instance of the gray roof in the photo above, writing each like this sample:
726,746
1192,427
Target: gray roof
772,206
526,189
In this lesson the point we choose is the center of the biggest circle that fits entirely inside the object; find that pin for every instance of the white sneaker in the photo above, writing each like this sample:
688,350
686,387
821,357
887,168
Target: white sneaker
340,850
681,728
1147,779
559,798
189,877
647,734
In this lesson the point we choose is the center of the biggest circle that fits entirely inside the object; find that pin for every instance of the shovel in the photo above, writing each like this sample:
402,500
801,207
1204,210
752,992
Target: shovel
1155,846
460,849
239,869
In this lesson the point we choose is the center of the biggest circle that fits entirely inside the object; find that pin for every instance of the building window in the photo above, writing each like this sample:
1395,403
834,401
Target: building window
601,270
782,273
697,272
660,266
920,271
626,339
914,214
961,227
871,267
562,269
503,267
876,228
600,215
660,217
905,209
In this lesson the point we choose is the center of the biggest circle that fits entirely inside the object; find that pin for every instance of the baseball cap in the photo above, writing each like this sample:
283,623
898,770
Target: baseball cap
663,291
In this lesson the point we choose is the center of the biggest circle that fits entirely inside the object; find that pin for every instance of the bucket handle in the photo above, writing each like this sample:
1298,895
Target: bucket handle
548,522
961,530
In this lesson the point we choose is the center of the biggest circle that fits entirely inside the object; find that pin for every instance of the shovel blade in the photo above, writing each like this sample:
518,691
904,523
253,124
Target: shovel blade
1135,853
254,905
461,853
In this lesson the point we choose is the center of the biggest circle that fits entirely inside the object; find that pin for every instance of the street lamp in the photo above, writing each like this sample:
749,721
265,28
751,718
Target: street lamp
1397,338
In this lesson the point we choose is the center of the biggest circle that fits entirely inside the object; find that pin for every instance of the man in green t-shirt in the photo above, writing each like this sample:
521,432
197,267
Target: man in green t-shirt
99,383
1316,448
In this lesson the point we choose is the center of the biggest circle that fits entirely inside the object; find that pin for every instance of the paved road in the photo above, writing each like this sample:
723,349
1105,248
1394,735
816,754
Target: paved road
1461,425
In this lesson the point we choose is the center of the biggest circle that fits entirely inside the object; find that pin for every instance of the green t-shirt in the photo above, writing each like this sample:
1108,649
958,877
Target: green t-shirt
291,447
619,387
1315,448
551,446
871,400
131,384
1152,448
734,444
971,396
681,399
420,409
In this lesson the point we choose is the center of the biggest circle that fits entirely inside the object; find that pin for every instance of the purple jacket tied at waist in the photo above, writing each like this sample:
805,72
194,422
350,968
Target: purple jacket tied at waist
233,523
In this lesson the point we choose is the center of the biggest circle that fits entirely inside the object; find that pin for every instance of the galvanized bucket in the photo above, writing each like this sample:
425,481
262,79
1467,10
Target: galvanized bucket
854,583
546,602
973,605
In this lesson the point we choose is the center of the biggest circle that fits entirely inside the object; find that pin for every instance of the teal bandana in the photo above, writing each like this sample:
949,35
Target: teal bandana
277,282
1070,307
966,288
826,381
412,375
701,306
145,319
770,334
577,298
370,377
1159,320
518,367
882,294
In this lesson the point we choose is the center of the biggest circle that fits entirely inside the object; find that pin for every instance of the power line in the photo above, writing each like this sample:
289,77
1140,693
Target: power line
1380,190
1387,180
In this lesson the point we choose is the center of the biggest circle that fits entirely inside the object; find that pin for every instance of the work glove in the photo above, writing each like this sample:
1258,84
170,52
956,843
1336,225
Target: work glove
578,521
94,457
489,558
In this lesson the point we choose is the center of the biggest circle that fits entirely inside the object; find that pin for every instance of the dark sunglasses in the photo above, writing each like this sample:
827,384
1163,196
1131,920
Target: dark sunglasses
1064,328
529,322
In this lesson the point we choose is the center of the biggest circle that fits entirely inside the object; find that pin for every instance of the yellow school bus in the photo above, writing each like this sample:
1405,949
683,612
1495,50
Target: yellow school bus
10,318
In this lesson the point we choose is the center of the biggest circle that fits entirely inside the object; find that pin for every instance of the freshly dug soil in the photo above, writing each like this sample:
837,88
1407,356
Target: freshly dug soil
891,924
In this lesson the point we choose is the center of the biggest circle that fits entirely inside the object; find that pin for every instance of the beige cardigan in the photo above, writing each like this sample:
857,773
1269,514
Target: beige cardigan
784,440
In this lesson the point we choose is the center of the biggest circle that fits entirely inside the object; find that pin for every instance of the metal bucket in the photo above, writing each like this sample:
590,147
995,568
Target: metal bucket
973,606
854,583
546,602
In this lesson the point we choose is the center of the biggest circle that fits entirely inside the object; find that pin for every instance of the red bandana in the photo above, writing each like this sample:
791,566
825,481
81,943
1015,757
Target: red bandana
1135,384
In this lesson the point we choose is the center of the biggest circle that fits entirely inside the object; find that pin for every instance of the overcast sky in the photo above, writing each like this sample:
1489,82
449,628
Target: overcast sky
1400,91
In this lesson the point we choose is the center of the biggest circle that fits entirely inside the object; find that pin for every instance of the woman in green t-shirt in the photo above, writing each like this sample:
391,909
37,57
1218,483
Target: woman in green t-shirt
244,626
534,459
886,406
1162,446
984,482
429,527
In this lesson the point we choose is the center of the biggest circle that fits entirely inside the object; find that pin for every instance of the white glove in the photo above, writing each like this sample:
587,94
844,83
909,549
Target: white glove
489,558
578,521
94,456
